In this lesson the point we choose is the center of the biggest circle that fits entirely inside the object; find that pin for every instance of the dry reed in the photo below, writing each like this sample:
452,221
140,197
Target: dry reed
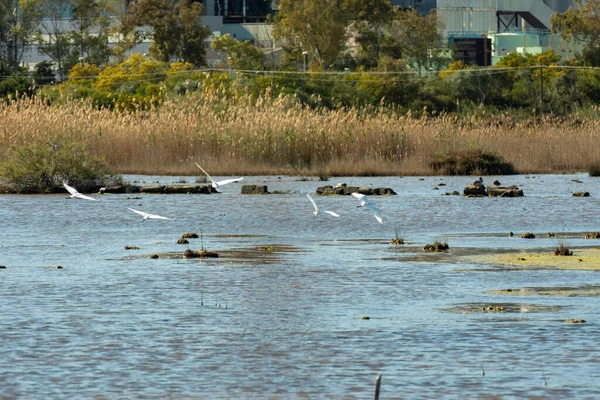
278,136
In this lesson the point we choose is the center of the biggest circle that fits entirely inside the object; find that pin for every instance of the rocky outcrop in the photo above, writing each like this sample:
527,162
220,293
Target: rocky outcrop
200,254
345,190
501,191
254,189
479,190
475,190
581,194
575,321
178,189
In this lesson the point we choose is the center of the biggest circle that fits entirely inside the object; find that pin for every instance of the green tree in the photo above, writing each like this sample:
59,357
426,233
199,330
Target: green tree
176,29
75,31
419,39
369,20
315,26
583,25
243,55
88,16
19,20
43,73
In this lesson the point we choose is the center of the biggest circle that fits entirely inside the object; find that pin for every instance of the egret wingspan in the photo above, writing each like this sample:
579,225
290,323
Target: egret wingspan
364,202
148,216
317,211
361,197
205,173
83,196
226,181
74,193
376,212
70,189
218,184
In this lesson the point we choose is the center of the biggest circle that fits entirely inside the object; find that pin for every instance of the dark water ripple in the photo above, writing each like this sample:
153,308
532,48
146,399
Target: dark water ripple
113,323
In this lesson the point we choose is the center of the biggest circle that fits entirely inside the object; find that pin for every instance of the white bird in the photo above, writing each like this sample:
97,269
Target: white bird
317,212
147,216
76,194
364,202
217,184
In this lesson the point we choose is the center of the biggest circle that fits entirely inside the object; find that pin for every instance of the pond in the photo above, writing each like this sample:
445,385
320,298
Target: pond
298,306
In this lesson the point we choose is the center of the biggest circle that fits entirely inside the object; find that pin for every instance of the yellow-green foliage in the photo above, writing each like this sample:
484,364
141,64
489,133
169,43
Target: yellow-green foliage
84,73
137,70
455,66
531,61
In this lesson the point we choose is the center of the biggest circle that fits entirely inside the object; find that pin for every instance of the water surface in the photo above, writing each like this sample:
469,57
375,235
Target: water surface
288,324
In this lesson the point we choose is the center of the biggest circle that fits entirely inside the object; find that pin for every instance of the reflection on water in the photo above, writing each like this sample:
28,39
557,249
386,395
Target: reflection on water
288,323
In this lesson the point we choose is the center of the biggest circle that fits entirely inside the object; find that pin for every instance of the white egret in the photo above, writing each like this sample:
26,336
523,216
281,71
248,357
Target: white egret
76,194
217,184
364,202
317,211
147,216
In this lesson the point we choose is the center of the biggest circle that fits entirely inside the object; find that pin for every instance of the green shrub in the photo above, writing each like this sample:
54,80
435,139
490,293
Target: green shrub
470,162
15,83
43,167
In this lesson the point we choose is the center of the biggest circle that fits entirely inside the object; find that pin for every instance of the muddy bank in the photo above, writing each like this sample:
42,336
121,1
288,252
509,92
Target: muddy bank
559,291
582,259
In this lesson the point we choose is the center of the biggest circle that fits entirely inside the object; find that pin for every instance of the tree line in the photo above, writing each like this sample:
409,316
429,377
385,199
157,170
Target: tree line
365,37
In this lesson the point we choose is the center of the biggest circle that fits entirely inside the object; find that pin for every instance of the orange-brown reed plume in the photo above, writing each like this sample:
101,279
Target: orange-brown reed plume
278,136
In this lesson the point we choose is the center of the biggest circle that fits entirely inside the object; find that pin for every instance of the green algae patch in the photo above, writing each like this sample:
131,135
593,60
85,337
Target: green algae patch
582,259
501,308
582,291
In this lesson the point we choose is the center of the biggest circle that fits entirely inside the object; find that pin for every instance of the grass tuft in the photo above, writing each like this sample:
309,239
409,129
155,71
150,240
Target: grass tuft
436,246
562,249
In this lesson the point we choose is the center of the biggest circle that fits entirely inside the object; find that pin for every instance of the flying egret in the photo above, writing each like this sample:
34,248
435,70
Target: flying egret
147,216
76,194
217,185
364,202
317,212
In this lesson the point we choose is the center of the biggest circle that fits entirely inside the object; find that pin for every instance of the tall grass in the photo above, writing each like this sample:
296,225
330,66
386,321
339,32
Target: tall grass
253,136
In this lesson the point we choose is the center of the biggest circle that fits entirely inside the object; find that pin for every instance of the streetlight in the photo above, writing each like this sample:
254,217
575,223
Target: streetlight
304,54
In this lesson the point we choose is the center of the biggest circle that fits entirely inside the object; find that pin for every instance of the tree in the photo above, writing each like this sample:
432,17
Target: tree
243,55
89,15
583,25
83,37
19,21
315,26
369,19
176,28
419,39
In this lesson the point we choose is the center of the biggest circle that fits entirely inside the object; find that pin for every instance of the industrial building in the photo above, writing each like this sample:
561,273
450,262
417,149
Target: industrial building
481,32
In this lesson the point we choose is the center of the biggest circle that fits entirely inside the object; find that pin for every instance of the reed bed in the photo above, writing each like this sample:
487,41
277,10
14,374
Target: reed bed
273,136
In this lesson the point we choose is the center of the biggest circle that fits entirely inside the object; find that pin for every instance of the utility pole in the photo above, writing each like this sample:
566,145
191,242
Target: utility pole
15,30
541,85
